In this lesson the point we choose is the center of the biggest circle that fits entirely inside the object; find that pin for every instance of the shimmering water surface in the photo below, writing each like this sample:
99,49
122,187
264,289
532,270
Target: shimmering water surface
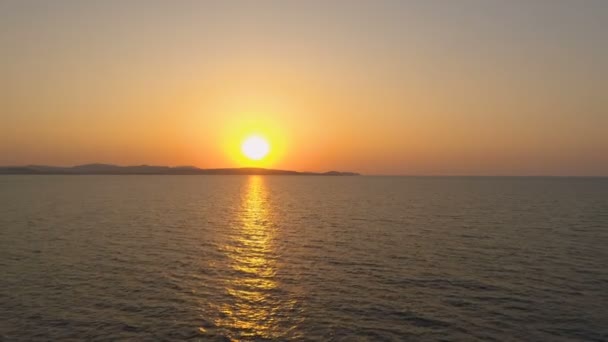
151,258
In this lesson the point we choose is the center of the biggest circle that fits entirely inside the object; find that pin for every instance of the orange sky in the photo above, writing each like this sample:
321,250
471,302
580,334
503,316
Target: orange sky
384,87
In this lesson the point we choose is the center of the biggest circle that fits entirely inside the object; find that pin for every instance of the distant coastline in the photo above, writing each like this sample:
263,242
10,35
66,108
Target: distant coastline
109,169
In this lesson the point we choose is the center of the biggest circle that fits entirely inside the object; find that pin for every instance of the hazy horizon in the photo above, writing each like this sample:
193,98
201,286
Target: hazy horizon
313,171
383,87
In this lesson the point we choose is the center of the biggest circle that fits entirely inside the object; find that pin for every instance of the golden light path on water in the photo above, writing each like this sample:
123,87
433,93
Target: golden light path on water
253,311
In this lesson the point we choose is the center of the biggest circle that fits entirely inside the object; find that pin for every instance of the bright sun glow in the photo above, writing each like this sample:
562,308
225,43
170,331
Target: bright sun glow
255,147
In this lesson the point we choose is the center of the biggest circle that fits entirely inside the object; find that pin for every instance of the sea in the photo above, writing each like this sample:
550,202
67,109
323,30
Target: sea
303,258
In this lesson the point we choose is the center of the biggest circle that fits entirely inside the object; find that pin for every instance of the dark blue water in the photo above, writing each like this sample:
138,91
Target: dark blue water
152,258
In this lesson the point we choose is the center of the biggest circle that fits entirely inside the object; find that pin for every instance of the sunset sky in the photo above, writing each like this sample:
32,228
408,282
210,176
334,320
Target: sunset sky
379,87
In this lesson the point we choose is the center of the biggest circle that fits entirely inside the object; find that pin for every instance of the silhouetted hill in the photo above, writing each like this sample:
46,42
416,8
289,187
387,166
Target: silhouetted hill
109,169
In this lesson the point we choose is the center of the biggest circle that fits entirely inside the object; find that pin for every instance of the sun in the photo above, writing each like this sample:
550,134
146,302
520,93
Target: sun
255,147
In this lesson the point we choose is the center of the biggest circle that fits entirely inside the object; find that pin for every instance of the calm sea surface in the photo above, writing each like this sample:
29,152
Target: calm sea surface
151,258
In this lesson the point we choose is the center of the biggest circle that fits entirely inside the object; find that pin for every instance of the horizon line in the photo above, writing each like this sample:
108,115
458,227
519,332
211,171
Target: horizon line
437,175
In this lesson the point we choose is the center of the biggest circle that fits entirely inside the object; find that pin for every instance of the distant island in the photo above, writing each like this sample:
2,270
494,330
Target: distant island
109,169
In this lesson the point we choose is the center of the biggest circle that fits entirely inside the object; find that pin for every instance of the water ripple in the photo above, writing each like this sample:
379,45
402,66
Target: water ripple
302,258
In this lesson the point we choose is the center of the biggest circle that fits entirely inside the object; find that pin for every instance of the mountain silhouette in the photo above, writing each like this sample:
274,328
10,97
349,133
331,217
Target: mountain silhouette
109,169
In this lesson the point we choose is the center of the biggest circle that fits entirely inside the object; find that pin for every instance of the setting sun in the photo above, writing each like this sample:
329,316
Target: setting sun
255,147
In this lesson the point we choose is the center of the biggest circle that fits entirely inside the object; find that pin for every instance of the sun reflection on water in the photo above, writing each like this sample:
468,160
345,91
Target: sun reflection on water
253,309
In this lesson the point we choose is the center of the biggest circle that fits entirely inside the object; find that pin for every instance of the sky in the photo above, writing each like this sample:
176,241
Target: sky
379,87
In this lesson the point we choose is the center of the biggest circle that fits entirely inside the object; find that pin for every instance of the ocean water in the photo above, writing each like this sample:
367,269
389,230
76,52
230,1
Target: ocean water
219,258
